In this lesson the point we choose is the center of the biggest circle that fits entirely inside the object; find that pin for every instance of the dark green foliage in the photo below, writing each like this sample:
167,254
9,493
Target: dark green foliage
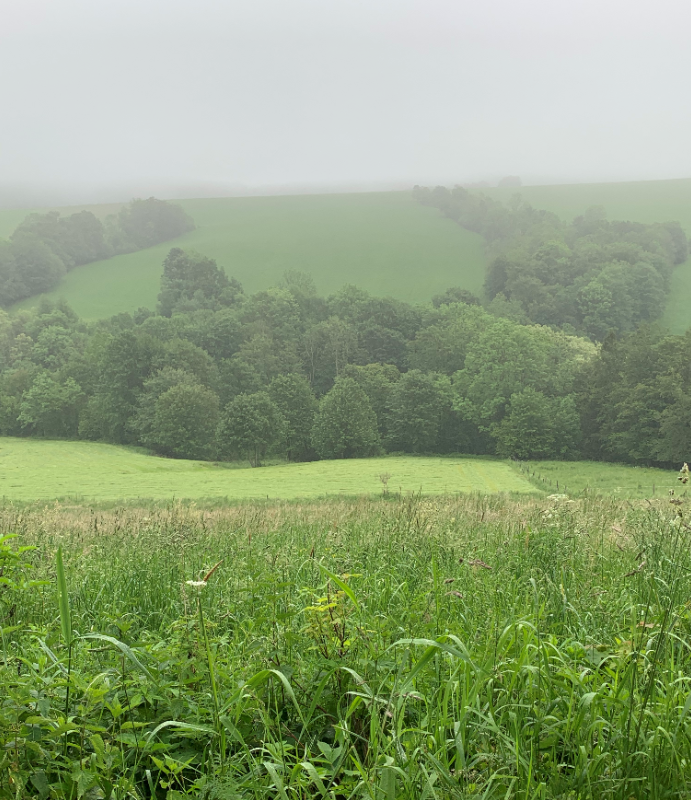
45,246
77,239
414,412
149,222
251,426
50,408
144,421
536,427
345,425
589,277
184,422
455,378
191,281
454,294
294,398
377,381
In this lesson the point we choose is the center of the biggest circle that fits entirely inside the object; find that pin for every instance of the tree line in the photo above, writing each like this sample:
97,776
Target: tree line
44,247
588,277
215,373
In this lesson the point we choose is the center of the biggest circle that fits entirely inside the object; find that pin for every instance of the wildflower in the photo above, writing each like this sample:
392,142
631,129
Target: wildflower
684,473
196,584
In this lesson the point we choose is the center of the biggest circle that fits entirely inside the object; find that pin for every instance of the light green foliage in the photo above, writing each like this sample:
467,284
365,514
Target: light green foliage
401,649
184,422
506,358
251,426
345,425
35,469
379,241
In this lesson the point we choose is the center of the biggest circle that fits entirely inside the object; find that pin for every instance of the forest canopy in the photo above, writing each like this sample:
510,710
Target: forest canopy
589,277
44,247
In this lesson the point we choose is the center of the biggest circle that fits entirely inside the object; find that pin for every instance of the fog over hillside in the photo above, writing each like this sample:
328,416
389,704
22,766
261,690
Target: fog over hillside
102,101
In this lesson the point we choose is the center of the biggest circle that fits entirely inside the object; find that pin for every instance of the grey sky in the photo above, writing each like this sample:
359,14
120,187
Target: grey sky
317,92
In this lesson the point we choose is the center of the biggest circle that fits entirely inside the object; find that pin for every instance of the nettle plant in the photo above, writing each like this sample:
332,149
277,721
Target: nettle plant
14,579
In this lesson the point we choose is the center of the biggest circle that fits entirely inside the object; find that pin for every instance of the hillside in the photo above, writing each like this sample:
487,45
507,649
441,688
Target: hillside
642,201
382,242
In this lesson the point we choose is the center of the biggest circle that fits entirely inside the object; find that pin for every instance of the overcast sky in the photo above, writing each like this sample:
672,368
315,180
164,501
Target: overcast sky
336,92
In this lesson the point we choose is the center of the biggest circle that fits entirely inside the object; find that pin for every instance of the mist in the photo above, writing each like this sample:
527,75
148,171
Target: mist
103,101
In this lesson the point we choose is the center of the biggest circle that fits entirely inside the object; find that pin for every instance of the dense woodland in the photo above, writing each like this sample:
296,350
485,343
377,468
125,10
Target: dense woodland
215,373
589,277
46,246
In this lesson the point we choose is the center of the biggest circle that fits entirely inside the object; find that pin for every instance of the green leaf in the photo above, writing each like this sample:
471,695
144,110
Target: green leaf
124,649
342,585
64,601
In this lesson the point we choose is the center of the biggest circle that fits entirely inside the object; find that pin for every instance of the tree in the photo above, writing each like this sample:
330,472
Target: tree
294,398
50,408
149,222
184,422
538,427
250,427
443,345
191,281
454,294
145,419
345,425
415,410
377,381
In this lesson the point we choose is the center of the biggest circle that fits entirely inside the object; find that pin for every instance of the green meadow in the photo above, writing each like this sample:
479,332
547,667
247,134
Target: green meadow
382,242
596,477
39,470
34,469
640,201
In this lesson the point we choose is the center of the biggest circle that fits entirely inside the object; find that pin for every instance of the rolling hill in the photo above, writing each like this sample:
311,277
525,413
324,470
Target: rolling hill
382,242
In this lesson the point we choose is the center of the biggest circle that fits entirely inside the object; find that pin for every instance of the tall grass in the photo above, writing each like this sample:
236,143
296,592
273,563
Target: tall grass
403,648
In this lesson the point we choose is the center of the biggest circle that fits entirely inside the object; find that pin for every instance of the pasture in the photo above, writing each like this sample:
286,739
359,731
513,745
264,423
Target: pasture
35,469
595,477
382,242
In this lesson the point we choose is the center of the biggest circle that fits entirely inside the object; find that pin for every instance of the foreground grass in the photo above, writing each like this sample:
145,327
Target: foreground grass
415,648
382,242
35,469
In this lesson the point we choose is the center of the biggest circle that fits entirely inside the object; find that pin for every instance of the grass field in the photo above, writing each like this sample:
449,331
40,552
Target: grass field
33,469
382,242
641,201
450,648
613,480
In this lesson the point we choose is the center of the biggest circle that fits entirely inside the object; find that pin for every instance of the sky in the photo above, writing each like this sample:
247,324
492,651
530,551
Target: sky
227,96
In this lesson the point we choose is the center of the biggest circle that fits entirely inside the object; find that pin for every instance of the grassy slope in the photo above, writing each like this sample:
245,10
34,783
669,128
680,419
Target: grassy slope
382,242
643,201
37,469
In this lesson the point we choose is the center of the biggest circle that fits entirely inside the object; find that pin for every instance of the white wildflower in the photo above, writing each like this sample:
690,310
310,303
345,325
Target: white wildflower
196,584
